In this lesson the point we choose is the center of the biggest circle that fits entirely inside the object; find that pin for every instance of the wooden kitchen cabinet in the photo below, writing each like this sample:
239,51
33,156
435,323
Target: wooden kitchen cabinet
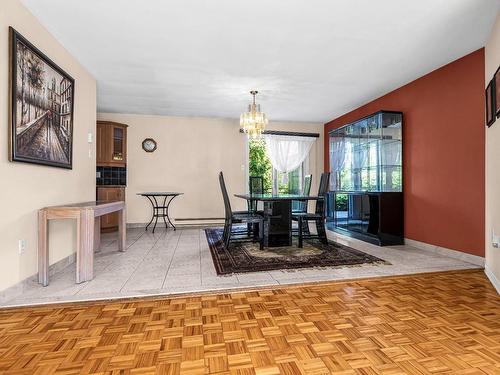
111,144
109,223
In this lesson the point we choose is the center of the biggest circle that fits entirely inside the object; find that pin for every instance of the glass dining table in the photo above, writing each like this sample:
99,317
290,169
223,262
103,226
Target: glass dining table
277,215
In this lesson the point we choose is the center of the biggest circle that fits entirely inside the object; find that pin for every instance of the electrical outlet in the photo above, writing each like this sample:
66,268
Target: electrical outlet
22,246
495,240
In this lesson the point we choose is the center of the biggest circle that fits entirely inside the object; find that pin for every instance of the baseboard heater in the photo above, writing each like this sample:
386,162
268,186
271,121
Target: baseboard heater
184,222
197,221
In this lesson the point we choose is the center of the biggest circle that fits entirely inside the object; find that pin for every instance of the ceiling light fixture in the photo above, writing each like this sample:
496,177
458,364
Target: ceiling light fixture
253,122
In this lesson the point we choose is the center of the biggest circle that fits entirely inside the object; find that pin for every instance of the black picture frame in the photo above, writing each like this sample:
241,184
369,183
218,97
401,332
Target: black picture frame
496,83
489,97
48,94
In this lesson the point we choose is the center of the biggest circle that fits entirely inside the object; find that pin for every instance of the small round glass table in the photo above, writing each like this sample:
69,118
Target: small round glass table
160,210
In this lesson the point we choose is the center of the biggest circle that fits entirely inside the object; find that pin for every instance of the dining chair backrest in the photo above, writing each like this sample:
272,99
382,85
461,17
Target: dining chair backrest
256,184
306,190
225,196
306,186
323,183
322,190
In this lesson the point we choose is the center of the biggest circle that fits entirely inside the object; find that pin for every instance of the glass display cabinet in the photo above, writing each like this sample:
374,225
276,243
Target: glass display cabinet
366,186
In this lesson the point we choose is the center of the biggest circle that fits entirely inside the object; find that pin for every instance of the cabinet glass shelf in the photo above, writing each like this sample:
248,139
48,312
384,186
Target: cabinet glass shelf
366,183
373,143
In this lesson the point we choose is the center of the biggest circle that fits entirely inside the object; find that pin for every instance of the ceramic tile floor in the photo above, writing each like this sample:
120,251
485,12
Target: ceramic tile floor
175,262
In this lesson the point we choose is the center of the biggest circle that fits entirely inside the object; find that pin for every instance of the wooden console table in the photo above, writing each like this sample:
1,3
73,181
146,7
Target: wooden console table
87,215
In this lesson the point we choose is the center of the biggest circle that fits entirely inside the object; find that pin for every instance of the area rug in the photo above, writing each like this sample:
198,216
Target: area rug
247,257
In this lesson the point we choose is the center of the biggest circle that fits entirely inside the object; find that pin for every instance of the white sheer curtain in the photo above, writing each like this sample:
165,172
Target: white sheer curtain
287,152
337,161
391,153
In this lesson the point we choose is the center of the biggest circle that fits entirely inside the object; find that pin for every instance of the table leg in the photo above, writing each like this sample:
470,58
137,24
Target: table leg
43,248
278,215
122,229
166,212
84,250
97,234
154,211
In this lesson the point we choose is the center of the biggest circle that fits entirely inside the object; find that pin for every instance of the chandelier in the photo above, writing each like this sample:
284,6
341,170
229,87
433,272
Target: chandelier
253,122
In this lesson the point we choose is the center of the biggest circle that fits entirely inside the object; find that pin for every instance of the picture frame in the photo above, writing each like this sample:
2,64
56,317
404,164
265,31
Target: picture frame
496,80
149,145
490,103
41,109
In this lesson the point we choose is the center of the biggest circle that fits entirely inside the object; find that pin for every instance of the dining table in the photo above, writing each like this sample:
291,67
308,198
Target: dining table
277,215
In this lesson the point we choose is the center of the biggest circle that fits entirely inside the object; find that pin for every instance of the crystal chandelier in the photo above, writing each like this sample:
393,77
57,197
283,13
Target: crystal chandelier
253,122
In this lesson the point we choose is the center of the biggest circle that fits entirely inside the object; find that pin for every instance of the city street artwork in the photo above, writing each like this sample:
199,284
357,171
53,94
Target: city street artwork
41,107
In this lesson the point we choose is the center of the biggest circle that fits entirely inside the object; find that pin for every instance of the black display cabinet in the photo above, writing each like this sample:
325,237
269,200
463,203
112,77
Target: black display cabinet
366,197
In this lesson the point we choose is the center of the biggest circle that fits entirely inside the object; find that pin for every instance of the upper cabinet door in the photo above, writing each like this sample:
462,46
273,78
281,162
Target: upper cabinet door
119,151
111,144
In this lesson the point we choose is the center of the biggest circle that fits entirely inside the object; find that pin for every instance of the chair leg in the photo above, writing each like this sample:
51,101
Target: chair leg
224,233
261,235
320,227
227,241
227,237
255,231
306,228
300,232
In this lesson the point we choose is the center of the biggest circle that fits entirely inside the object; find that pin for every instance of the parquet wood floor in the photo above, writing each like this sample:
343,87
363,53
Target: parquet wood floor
443,323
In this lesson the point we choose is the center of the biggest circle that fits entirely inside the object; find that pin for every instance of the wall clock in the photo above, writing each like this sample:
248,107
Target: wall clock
149,145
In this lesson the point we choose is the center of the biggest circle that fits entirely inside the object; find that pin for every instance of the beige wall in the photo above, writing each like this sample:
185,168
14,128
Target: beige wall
492,61
190,154
24,188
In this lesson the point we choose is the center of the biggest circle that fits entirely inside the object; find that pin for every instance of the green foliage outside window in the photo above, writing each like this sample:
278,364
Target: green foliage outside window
341,202
259,164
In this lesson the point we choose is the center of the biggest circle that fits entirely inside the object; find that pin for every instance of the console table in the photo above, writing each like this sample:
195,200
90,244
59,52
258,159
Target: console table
87,215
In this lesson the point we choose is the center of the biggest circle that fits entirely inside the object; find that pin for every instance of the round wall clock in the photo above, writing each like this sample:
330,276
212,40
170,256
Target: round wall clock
149,145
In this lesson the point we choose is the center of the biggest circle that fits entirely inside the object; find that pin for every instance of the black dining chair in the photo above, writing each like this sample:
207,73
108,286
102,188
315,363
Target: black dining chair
318,216
256,186
301,206
238,217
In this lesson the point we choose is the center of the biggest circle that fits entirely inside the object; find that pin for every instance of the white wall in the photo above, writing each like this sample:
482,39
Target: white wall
190,154
24,188
492,61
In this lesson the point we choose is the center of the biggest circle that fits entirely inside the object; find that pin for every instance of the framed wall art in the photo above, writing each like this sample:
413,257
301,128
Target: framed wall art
41,111
490,103
496,80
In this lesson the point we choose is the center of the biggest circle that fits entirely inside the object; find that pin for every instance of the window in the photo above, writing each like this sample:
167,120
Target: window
288,183
274,181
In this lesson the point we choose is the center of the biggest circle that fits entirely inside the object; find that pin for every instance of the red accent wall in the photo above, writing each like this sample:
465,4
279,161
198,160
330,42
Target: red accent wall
443,153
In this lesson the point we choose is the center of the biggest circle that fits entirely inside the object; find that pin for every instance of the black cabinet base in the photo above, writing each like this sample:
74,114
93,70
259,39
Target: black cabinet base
374,217
382,240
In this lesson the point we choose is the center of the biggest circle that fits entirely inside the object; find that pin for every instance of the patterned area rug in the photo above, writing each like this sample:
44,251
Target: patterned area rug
247,257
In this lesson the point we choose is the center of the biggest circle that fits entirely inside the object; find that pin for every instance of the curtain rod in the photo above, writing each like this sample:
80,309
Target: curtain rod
292,134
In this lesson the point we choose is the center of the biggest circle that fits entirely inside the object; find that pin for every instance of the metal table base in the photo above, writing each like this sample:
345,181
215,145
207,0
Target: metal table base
160,210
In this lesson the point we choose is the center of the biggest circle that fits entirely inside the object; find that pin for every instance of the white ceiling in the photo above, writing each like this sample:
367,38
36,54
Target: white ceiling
312,60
